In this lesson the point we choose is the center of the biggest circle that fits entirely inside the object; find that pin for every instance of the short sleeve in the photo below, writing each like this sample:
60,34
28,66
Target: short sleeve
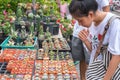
114,38
77,29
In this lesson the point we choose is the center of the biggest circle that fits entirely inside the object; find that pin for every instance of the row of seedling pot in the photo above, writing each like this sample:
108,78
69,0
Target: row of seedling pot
18,70
17,64
55,70
54,55
50,69
56,44
17,54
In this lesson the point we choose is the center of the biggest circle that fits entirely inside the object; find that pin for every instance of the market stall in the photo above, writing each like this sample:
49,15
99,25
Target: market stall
36,46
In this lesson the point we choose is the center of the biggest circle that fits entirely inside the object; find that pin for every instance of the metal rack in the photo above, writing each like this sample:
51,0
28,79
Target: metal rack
3,68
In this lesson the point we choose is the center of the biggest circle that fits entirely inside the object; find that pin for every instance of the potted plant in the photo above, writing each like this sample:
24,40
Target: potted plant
41,36
49,17
66,28
51,54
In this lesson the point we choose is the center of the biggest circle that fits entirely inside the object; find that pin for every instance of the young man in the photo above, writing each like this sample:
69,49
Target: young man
86,12
79,52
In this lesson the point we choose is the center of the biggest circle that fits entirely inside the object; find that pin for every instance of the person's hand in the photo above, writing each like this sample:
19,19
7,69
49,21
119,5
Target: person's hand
83,35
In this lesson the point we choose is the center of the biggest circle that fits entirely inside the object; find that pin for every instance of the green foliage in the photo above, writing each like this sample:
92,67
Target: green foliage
49,7
19,12
11,5
1,17
6,28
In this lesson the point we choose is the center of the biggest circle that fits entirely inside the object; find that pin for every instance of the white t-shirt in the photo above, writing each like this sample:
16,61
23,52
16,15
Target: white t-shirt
112,37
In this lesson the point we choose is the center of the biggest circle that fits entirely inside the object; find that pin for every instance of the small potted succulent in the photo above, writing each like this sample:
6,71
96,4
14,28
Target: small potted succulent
49,20
41,36
51,54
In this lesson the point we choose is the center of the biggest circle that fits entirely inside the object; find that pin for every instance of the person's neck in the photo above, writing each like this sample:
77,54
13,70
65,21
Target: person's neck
99,17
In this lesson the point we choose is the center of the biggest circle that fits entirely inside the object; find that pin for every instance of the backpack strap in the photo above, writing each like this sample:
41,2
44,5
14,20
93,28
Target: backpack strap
99,48
111,20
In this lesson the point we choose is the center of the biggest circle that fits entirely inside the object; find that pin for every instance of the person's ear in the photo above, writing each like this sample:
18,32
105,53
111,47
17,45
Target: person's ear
90,14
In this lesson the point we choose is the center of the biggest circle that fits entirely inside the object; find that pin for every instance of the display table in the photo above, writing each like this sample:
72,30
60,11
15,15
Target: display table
26,64
37,64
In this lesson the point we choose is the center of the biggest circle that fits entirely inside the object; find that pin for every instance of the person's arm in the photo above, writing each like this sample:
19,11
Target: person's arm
106,8
113,48
83,36
88,45
112,67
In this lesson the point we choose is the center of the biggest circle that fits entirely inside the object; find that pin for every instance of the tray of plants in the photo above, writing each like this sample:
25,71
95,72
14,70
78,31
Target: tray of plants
59,55
60,67
54,55
19,43
55,44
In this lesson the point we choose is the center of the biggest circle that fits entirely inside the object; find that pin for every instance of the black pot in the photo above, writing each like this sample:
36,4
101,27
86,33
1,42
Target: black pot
17,26
2,37
53,27
40,43
47,25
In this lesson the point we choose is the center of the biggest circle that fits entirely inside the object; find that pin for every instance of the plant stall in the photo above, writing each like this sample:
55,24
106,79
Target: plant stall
32,49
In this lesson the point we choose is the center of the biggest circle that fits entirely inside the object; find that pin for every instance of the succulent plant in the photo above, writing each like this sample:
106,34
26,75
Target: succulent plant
22,23
62,54
51,55
19,12
48,34
11,42
37,16
14,34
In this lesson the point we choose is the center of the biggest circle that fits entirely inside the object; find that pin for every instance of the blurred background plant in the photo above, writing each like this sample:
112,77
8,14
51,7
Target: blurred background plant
48,8
6,23
66,28
5,27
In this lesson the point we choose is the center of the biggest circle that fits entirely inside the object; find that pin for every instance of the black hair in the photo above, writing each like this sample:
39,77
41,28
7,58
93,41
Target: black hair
81,8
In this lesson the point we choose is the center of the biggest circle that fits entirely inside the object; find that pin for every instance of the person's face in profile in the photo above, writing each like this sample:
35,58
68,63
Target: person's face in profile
85,20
